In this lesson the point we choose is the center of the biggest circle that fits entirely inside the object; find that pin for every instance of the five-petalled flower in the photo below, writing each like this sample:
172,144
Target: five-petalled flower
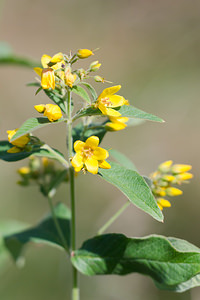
89,156
107,100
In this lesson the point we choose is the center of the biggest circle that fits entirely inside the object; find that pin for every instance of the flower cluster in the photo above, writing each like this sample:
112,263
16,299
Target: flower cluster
165,177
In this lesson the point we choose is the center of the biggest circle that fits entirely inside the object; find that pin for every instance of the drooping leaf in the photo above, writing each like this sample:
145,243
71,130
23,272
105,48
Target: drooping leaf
133,185
8,57
44,232
168,264
32,124
91,89
77,89
125,110
122,159
37,151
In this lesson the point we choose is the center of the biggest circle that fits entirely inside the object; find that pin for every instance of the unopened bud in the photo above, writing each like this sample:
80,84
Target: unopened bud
179,168
94,66
84,53
165,166
172,191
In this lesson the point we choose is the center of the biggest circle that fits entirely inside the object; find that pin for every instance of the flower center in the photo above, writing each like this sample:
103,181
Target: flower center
87,152
106,101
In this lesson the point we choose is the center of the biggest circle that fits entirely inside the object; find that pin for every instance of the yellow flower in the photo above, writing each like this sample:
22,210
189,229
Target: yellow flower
89,156
69,78
107,100
51,111
163,203
179,168
24,171
48,79
184,176
84,53
165,166
117,123
21,141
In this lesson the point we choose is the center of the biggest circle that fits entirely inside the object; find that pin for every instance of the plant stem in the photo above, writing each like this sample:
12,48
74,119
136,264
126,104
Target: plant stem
57,225
59,157
113,218
75,290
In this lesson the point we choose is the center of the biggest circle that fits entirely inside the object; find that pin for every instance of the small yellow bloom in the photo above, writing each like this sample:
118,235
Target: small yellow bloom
179,168
69,78
107,100
21,142
94,66
48,78
54,62
89,156
163,203
24,171
84,53
117,123
165,166
172,191
168,178
51,111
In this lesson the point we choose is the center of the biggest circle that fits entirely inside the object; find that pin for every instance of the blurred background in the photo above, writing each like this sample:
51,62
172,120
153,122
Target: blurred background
152,49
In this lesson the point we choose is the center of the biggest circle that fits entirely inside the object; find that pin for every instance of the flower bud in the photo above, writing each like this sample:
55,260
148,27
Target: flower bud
179,168
94,66
52,112
163,203
184,176
24,171
84,53
99,79
168,178
69,78
165,166
40,108
172,191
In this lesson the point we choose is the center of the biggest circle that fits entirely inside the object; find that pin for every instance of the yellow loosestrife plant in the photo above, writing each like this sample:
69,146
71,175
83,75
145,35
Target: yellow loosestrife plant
163,259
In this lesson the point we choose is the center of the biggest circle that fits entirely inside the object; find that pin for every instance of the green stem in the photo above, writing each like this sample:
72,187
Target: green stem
75,290
57,225
113,218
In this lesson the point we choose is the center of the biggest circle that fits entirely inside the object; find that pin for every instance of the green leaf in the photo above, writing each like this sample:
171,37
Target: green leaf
44,232
37,151
125,110
91,89
122,159
80,132
77,89
32,124
134,187
155,256
7,57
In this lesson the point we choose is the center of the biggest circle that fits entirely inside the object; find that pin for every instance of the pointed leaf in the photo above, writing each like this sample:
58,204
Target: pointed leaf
77,89
32,124
134,187
44,232
155,256
56,98
80,132
91,89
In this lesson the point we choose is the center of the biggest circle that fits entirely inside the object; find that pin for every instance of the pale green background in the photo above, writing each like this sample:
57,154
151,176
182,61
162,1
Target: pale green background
152,49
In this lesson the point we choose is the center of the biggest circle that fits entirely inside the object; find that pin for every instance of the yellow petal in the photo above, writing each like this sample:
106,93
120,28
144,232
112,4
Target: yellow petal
92,141
112,112
14,150
24,171
184,176
77,161
92,165
116,100
45,60
57,57
109,91
161,208
48,79
78,146
165,166
115,126
104,165
40,108
38,71
119,119
100,153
